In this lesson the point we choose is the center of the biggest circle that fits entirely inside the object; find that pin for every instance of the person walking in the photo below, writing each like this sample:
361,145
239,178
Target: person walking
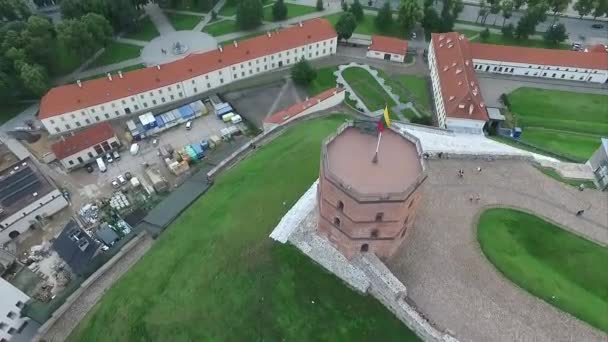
580,212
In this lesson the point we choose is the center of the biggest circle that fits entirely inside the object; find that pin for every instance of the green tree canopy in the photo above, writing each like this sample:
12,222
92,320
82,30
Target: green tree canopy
320,5
74,35
249,14
34,78
279,10
357,10
303,73
99,27
409,13
346,26
583,7
14,10
384,19
556,34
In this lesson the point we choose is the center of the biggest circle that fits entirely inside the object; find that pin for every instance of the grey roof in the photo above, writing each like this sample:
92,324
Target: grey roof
107,235
494,114
76,247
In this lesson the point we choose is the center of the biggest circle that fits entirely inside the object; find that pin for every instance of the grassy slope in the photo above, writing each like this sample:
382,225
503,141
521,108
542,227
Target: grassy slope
293,11
228,10
183,22
573,182
561,268
325,80
499,39
116,52
367,88
567,112
214,275
219,28
145,31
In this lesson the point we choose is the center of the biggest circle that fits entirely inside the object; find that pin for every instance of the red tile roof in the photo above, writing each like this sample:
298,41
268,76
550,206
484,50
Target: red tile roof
81,140
70,97
517,54
459,85
388,44
289,113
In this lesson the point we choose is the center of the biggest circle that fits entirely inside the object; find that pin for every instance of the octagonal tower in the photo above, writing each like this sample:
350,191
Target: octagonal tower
367,206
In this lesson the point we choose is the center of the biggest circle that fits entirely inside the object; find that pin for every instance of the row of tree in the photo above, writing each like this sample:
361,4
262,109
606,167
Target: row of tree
122,14
250,13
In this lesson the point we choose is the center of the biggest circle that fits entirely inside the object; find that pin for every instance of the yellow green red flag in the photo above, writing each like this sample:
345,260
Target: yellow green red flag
387,119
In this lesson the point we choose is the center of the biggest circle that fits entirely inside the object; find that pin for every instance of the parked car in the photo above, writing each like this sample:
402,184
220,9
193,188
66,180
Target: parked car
115,184
89,168
122,180
128,175
189,125
597,26
116,155
109,158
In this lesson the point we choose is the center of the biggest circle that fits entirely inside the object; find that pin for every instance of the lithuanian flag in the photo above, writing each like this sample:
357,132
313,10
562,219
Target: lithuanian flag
385,121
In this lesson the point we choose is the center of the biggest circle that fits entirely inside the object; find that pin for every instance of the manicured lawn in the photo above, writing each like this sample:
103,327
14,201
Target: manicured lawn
563,269
574,182
468,33
114,72
325,80
183,22
116,52
215,275
409,114
499,39
367,26
145,31
221,27
10,110
367,88
576,120
293,11
65,61
228,10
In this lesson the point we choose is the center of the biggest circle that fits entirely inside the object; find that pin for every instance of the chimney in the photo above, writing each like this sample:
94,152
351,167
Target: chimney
445,68
475,92
62,138
300,23
79,83
219,47
470,109
458,71
452,98
236,44
109,76
461,105
268,34
158,66
119,74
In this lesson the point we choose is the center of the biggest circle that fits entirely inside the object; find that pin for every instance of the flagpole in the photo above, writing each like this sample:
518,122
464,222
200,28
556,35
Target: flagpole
375,159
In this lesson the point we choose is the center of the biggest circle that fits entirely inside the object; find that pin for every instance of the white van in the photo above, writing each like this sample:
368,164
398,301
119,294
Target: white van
101,165
189,125
134,149
236,119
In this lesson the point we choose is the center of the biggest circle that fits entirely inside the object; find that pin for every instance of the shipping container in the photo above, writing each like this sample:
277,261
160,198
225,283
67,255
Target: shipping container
236,119
227,117
205,145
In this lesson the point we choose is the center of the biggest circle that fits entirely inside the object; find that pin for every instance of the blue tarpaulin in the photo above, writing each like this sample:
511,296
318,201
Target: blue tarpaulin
186,112
159,121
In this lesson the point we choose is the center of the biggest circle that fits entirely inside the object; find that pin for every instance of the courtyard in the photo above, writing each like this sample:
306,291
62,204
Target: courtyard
261,290
451,281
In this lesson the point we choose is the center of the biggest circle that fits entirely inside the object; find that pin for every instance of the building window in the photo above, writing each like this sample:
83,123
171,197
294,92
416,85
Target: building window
92,110
57,129
3,327
177,86
78,124
145,104
132,99
12,331
336,221
172,97
80,160
340,205
553,75
169,88
107,115
364,247
206,77
141,96
123,102
379,217
242,74
67,126
154,102
73,116
221,80
374,233
563,75
160,91
52,121
87,121
544,74
136,107
90,155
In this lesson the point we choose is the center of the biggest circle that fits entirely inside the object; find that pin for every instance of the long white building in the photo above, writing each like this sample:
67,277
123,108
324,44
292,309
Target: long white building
74,106
12,301
453,61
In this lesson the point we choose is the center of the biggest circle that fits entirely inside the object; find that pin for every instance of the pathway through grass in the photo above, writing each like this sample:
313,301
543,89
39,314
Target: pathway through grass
183,22
145,30
563,269
367,88
215,275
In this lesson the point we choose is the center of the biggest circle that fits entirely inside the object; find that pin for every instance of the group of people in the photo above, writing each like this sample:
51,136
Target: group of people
461,172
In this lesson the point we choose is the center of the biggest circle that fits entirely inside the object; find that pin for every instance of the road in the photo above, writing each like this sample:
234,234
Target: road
574,26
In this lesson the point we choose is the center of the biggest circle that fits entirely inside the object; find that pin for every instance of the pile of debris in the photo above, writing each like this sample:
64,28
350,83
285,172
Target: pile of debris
89,213
119,201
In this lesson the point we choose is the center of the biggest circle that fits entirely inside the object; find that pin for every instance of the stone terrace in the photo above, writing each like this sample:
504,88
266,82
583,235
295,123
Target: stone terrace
452,282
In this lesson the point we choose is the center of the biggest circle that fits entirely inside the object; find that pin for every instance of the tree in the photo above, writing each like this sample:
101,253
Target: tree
495,9
99,28
14,10
320,5
249,14
600,8
555,34
507,31
431,21
34,78
384,19
357,10
518,3
302,73
409,13
525,27
483,11
583,7
558,6
449,13
279,11
485,34
346,26
344,6
74,36
506,6
37,40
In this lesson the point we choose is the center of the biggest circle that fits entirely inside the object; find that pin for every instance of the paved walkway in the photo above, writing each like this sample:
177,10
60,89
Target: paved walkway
141,43
359,102
200,26
452,282
160,20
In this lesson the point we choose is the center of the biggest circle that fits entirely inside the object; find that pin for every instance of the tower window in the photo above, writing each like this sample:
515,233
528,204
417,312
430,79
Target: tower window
336,222
375,233
364,247
379,217
340,205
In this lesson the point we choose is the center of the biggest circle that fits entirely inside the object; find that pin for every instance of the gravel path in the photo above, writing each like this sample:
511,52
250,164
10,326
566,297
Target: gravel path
70,319
452,282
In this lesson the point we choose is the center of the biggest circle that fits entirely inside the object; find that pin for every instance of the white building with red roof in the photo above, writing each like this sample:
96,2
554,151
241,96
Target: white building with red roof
387,48
85,146
458,101
74,106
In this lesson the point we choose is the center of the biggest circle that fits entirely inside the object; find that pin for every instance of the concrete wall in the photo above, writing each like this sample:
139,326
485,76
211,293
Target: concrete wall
542,71
436,85
174,93
12,301
20,221
465,125
380,55
599,166
87,155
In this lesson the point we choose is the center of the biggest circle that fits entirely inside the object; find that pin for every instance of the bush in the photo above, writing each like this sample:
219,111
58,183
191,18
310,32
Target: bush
320,5
357,10
507,31
505,100
424,120
303,73
485,34
279,11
